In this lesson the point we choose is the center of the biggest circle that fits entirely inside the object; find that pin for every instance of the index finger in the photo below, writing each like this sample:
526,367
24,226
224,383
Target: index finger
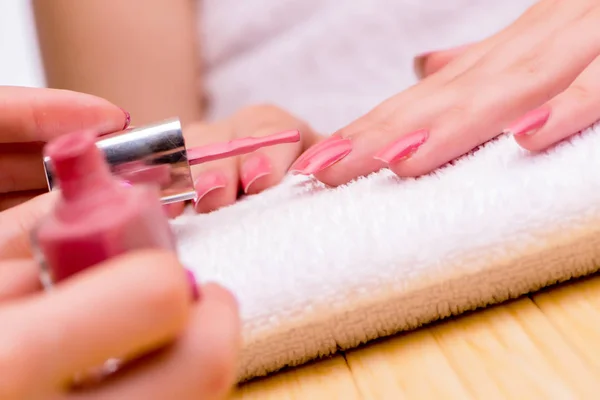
39,115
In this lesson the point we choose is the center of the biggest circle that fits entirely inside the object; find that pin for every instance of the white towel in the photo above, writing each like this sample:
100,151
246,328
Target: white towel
317,269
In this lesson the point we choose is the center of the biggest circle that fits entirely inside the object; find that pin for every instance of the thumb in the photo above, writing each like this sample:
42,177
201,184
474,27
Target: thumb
427,64
16,224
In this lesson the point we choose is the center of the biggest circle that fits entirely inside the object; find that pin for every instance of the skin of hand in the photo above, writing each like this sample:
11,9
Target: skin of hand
538,79
173,348
29,117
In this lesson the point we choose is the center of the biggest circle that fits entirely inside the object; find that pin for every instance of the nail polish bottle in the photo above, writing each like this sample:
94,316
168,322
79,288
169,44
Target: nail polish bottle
157,154
96,216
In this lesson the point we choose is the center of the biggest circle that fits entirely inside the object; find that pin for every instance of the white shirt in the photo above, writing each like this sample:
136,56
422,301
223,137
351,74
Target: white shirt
330,61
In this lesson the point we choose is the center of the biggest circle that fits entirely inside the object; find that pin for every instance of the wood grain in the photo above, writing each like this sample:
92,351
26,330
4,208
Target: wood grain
543,347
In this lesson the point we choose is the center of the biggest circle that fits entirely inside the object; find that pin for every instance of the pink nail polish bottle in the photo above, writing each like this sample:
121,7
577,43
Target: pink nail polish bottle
96,217
157,154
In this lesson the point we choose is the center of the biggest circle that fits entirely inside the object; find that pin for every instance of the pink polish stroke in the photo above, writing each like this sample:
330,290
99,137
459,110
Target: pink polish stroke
240,146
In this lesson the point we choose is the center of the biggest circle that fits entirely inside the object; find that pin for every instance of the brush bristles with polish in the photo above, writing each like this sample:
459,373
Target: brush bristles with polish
240,146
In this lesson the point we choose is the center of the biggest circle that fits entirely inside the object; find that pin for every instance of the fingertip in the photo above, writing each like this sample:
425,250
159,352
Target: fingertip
359,162
194,285
215,189
256,173
532,144
174,210
412,170
127,118
218,293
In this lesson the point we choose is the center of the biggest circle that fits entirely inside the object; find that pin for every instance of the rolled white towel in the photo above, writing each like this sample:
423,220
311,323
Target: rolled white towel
318,269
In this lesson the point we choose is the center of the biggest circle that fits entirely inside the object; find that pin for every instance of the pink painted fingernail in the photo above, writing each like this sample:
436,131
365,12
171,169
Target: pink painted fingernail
253,168
171,210
312,150
127,118
208,182
323,156
529,123
403,148
195,289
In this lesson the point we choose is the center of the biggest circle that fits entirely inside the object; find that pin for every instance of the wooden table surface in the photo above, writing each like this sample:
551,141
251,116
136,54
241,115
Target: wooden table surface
545,346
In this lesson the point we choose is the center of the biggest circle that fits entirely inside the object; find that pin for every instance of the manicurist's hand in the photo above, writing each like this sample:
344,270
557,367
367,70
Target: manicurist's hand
538,79
139,308
29,117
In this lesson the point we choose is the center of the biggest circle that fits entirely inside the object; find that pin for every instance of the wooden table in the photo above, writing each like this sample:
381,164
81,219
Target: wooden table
545,346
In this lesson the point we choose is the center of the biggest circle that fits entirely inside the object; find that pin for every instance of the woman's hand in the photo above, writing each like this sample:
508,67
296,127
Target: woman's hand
29,117
538,79
219,183
137,307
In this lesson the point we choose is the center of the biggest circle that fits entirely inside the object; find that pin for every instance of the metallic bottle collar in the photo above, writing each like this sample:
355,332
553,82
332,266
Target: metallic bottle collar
151,154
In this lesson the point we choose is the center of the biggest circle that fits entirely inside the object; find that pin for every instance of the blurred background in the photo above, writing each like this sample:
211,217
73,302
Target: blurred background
20,63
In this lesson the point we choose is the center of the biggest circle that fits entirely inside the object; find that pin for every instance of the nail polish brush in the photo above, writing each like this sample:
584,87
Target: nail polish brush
158,154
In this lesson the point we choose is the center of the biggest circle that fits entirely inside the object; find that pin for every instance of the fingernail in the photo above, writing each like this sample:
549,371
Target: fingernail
529,123
254,168
195,289
127,118
312,150
171,210
323,156
208,182
403,148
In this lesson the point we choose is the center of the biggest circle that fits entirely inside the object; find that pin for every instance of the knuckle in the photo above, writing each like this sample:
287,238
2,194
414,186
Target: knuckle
385,126
530,66
457,112
457,117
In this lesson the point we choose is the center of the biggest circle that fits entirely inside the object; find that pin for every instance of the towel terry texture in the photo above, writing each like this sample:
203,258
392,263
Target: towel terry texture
318,269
